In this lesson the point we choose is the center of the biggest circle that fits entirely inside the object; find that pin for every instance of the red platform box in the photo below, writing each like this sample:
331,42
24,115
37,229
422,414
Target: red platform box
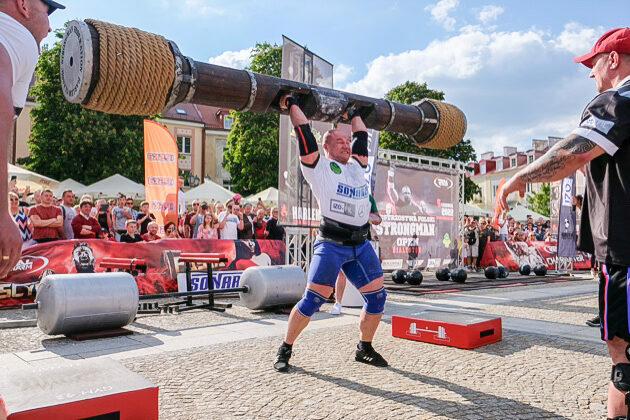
461,330
82,389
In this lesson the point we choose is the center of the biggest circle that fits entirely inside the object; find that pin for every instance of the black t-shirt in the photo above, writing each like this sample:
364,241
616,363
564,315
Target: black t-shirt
102,217
144,225
484,236
275,230
605,224
125,237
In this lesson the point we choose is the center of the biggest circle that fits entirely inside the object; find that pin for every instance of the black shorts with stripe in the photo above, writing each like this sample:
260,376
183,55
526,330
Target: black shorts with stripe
613,302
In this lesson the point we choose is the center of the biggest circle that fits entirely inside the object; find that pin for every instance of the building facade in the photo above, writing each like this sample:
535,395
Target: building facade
200,131
488,172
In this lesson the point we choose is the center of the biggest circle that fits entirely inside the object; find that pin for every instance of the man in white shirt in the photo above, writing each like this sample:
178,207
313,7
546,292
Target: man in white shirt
338,183
23,25
503,226
231,223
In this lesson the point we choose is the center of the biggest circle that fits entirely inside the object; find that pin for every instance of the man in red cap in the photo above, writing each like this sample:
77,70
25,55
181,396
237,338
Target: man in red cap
600,145
23,25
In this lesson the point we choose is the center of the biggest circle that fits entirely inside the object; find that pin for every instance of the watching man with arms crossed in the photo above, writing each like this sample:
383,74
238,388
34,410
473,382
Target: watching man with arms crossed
601,144
337,181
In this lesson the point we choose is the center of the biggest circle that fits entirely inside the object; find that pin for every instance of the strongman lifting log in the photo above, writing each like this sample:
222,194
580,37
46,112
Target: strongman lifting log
126,71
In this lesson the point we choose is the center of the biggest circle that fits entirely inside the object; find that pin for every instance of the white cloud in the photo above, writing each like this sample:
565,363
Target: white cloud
234,59
520,135
512,86
577,39
440,13
489,13
341,73
459,57
196,8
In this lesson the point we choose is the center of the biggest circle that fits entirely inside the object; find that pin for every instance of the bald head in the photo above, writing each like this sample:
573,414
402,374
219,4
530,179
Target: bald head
337,146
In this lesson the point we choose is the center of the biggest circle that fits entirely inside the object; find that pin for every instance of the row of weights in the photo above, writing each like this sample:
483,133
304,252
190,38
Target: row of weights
502,272
458,275
413,277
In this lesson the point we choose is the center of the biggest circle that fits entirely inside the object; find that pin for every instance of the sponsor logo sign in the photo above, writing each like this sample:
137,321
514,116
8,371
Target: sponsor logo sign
199,280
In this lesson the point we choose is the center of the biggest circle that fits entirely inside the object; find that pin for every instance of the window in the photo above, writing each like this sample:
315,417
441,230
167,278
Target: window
494,191
513,162
499,164
483,168
183,143
181,111
530,159
228,122
528,187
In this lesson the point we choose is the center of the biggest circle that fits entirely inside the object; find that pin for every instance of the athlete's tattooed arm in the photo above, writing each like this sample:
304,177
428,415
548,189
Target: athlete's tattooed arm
564,158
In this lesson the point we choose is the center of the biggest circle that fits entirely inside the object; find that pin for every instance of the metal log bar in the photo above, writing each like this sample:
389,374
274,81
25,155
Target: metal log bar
186,294
101,65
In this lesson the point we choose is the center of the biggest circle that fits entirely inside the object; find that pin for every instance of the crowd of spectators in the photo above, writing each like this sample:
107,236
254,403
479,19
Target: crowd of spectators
42,217
478,231
233,219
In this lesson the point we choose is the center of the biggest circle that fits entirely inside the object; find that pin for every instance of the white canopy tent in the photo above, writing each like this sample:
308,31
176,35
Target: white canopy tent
519,213
67,184
269,195
469,210
32,179
112,186
207,191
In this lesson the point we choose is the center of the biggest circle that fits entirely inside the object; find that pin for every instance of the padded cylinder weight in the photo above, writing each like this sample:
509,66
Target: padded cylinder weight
272,286
75,303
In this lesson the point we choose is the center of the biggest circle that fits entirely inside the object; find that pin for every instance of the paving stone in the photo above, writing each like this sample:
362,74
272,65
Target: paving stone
524,376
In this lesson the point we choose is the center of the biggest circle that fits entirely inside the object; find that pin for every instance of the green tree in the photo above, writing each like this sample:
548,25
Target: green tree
251,153
408,93
69,141
539,202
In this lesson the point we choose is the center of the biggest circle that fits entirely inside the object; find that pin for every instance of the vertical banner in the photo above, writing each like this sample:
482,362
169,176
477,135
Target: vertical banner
555,189
370,171
566,222
160,173
297,204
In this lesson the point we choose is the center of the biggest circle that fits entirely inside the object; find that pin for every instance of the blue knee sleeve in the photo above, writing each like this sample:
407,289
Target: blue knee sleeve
374,301
310,303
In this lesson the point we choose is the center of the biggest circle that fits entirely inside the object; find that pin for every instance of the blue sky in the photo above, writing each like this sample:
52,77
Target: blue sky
507,64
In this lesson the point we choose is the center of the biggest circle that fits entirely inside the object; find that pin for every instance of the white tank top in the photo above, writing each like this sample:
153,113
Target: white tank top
341,190
23,52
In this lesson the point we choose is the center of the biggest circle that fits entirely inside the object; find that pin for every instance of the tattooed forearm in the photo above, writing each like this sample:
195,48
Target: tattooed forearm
575,144
562,159
546,170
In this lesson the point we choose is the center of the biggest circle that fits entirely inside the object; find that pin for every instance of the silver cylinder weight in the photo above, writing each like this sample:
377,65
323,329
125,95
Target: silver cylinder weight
75,303
272,286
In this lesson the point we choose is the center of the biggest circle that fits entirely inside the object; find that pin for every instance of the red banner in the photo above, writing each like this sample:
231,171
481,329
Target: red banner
512,255
75,256
161,158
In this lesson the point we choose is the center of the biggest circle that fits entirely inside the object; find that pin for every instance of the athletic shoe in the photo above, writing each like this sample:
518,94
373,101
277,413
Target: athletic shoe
282,359
336,309
370,358
595,322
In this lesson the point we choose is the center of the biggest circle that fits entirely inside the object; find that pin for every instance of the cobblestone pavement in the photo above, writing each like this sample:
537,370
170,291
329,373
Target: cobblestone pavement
521,377
525,376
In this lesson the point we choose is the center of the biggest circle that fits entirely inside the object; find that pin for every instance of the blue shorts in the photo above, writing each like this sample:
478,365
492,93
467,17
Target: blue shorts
359,263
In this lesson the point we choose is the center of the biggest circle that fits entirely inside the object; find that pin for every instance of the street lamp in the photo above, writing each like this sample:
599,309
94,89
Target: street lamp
193,180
